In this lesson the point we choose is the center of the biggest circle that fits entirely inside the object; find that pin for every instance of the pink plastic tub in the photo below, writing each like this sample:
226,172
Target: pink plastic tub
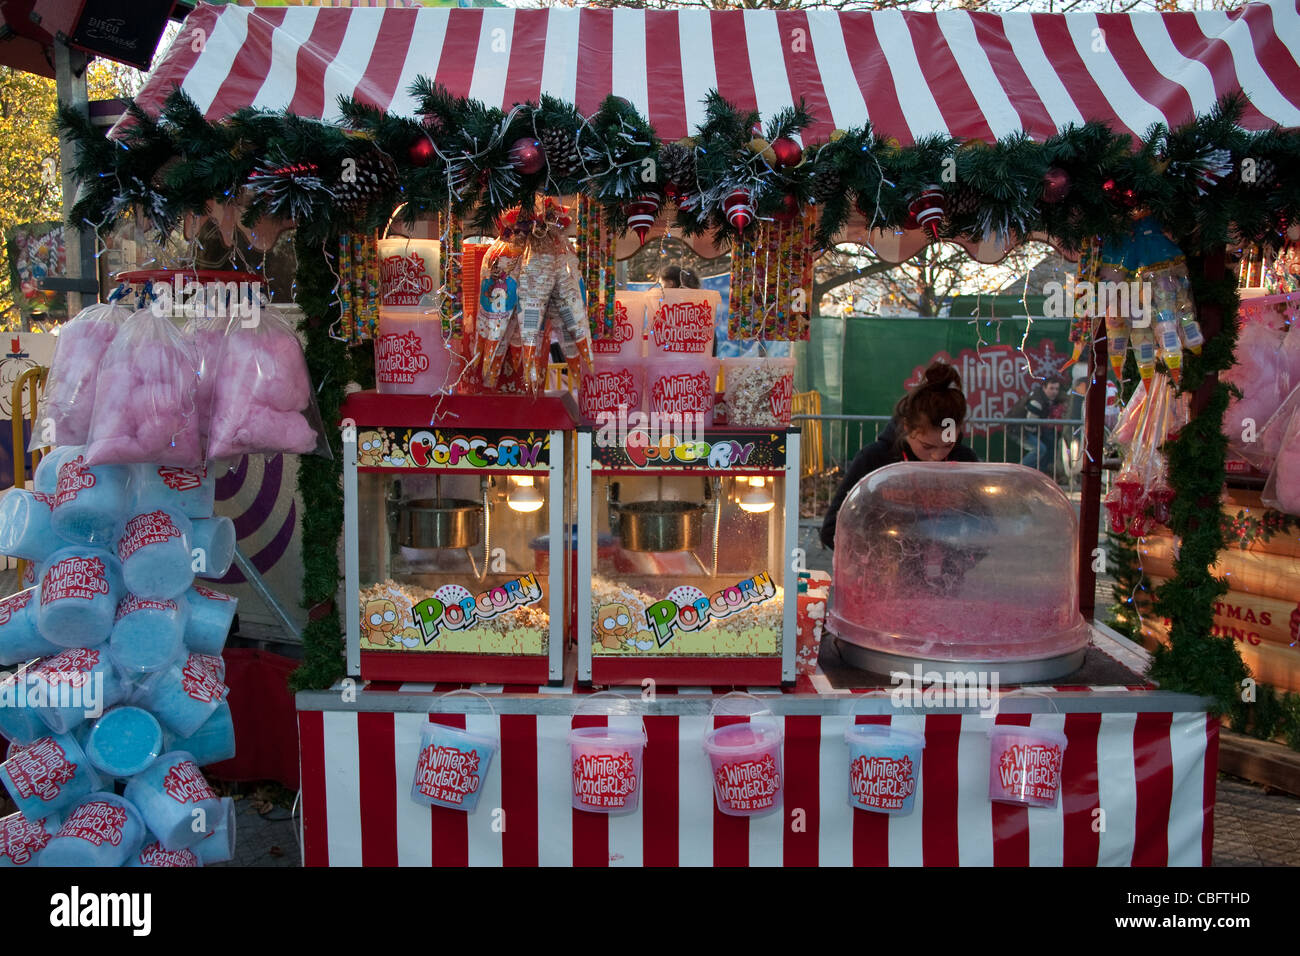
681,386
613,381
683,322
746,763
410,358
1025,765
627,338
606,768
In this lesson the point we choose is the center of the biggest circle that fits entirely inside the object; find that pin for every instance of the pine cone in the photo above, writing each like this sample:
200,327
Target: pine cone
373,175
677,166
826,184
1264,178
964,202
561,153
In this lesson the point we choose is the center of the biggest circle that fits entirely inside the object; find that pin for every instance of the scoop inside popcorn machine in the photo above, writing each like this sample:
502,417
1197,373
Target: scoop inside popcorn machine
975,564
692,591
445,577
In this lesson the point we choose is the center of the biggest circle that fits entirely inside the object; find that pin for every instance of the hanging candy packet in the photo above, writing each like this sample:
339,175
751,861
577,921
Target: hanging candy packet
69,397
262,400
145,398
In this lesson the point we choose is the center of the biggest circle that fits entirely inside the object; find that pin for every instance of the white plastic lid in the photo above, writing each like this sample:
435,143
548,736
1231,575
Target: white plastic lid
867,734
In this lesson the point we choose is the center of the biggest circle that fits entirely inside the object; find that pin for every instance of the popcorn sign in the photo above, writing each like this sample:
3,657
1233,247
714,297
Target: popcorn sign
881,783
82,578
447,773
604,781
749,784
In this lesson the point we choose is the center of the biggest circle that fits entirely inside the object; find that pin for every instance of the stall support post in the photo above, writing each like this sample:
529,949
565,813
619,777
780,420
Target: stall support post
585,516
559,541
790,572
351,549
1210,315
82,282
1094,418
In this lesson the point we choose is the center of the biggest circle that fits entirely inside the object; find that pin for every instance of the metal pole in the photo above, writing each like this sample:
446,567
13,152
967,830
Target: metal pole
255,581
70,83
1094,422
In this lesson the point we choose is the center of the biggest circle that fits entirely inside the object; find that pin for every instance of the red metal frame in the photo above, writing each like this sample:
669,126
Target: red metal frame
690,671
460,412
468,668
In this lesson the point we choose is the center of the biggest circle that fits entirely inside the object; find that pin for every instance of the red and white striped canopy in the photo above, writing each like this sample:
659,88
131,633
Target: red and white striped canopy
972,75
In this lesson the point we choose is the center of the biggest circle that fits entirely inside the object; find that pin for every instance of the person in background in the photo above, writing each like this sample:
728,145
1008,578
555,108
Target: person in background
688,279
670,277
927,426
1044,401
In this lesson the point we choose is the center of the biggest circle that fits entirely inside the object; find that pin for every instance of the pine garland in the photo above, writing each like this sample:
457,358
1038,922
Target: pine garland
1245,529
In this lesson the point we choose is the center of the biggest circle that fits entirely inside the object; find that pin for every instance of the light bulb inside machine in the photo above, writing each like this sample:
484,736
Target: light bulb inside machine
757,499
524,496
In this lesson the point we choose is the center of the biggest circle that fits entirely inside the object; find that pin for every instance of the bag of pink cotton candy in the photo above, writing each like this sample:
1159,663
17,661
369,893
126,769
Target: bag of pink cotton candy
68,401
262,398
145,400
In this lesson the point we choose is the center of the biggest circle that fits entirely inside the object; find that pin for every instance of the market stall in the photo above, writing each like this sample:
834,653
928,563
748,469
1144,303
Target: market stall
894,129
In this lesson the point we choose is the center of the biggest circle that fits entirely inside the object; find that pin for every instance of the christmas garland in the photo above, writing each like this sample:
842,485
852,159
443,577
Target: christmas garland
1244,529
1209,182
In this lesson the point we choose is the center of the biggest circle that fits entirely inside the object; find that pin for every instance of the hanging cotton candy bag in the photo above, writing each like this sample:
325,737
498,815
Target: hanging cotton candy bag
262,399
145,401
69,397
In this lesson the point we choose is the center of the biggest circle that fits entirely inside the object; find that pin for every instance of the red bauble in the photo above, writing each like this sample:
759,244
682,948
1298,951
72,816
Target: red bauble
641,215
789,208
739,209
421,152
787,151
673,192
929,209
1056,185
527,156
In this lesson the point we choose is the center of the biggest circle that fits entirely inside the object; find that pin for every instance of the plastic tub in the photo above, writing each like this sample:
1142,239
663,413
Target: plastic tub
759,392
124,742
684,322
22,840
746,763
606,768
1025,765
613,381
409,274
169,795
681,386
452,766
627,338
410,356
103,830
884,768
48,775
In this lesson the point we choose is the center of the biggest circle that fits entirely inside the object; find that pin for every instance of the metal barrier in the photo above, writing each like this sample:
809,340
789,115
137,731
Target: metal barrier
1055,446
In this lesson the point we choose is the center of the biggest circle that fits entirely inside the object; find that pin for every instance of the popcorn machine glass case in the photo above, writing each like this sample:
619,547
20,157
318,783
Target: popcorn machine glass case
689,552
454,546
969,563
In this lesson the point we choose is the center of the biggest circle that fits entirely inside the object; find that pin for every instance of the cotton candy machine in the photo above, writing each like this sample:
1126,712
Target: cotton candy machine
971,564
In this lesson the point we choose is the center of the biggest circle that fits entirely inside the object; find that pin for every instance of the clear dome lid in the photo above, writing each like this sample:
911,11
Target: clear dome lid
958,562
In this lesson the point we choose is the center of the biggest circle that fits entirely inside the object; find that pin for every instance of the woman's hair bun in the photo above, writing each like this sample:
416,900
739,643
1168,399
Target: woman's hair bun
942,375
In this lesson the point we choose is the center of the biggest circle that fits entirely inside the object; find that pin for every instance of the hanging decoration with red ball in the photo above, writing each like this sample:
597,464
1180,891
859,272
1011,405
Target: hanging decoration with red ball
641,215
788,153
421,152
929,209
1056,185
739,209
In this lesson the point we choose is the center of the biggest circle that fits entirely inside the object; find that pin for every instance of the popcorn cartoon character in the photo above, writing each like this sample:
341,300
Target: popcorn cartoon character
379,622
613,625
371,449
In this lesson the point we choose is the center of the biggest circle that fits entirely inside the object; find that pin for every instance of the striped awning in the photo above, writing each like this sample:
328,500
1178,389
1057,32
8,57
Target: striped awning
972,75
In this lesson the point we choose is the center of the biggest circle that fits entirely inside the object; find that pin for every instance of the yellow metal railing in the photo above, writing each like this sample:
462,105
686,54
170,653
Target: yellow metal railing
32,381
810,432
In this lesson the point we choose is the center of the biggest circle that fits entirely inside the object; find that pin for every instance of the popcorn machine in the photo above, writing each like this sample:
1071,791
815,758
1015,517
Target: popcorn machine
705,530
454,546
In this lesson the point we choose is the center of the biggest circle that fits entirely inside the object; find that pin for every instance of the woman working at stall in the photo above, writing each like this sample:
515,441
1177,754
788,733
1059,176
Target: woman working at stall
926,426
